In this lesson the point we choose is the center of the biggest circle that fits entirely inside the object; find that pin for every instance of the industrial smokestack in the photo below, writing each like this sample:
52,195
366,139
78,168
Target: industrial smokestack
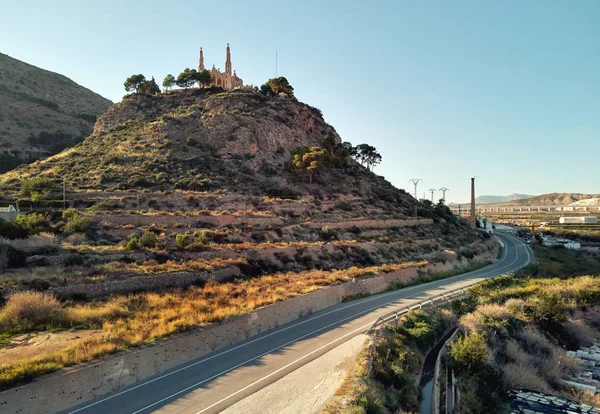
472,219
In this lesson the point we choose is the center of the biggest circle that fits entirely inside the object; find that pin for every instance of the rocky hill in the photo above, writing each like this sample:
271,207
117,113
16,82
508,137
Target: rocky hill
559,199
205,140
41,112
493,199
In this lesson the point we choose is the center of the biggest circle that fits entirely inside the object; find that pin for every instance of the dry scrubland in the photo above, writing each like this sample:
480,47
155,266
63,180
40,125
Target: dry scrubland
515,333
197,183
274,262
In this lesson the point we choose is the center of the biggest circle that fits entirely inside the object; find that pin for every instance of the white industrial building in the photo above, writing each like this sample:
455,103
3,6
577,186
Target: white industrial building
8,213
579,220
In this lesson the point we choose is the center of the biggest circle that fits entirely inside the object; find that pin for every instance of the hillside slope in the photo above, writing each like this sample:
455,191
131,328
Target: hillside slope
493,199
205,140
559,199
41,112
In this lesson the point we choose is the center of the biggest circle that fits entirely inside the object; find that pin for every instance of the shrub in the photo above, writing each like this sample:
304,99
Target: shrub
181,241
133,244
149,239
27,310
469,352
77,224
70,213
37,187
11,230
34,223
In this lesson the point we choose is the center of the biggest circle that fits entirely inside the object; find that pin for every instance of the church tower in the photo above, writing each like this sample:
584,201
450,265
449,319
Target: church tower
228,62
201,65
228,81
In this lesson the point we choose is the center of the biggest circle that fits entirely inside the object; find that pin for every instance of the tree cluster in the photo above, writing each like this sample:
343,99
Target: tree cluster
276,86
188,78
139,84
311,160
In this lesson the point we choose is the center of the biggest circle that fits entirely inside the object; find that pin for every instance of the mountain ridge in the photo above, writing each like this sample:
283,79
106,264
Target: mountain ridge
41,112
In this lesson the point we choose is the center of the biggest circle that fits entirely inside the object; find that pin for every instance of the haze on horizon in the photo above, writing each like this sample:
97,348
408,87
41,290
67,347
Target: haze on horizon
507,92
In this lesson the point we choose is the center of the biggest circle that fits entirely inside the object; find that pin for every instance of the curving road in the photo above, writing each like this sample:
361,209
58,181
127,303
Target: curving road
218,380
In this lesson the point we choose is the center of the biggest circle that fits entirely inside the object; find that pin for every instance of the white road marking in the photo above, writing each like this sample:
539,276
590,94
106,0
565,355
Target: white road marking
354,303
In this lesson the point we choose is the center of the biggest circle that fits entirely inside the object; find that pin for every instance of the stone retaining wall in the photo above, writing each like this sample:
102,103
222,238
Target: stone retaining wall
141,283
370,223
65,389
172,221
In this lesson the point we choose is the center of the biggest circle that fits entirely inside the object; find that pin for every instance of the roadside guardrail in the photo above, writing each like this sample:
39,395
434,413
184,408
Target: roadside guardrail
393,315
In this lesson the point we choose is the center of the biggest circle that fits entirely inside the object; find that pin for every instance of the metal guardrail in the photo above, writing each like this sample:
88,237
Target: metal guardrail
393,315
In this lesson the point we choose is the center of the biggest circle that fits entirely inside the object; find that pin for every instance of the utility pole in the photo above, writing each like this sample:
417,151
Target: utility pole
432,190
443,190
276,62
415,182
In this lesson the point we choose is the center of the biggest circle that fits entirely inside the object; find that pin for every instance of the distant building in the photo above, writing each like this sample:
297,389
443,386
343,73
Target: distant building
227,79
8,213
579,220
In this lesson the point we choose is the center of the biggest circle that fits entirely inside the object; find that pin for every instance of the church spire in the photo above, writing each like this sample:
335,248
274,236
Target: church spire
201,65
228,62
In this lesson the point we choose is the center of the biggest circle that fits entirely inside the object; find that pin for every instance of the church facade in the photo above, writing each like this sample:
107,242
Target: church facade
227,79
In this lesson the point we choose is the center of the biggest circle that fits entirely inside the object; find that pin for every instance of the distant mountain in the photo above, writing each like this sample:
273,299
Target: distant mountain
559,199
493,199
41,112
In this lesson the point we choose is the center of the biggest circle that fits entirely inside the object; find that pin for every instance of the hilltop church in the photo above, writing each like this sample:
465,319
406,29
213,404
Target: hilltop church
225,80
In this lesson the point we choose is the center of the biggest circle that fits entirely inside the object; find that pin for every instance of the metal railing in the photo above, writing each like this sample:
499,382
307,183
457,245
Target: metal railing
393,315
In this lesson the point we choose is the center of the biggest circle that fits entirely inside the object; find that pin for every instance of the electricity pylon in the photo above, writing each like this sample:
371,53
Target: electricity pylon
432,190
443,190
415,181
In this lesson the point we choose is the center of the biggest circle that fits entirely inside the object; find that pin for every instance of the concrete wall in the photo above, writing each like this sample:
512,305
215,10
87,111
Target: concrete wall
142,283
371,223
62,390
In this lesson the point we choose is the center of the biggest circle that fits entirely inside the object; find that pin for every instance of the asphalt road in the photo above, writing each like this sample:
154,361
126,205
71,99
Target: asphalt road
218,380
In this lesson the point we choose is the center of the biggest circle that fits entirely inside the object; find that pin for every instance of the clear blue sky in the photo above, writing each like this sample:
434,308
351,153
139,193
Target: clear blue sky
508,91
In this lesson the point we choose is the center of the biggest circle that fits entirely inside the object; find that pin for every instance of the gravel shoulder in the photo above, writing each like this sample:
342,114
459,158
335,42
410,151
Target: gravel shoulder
308,388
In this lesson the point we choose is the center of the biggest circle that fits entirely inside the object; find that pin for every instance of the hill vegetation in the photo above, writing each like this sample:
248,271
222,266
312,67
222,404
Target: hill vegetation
190,206
41,112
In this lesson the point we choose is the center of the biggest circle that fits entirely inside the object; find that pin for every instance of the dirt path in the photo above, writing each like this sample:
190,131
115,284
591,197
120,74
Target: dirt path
308,388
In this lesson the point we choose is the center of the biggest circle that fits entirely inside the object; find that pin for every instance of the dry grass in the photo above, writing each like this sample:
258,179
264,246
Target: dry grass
35,242
152,266
518,376
26,311
145,317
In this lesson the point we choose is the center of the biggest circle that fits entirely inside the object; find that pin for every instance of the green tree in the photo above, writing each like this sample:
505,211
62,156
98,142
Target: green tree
187,78
133,82
309,159
367,155
38,188
168,82
281,85
149,88
265,89
204,78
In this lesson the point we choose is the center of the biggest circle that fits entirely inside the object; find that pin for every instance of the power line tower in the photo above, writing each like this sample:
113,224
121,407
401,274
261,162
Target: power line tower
432,190
415,182
443,190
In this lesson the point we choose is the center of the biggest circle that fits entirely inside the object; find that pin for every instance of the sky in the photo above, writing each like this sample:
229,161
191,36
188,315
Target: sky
504,91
